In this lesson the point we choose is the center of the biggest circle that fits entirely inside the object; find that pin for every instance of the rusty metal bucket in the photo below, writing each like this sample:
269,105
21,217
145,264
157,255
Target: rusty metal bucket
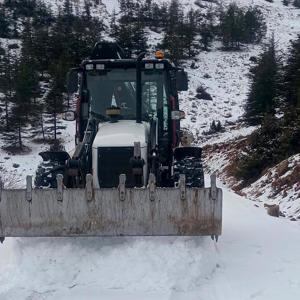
150,211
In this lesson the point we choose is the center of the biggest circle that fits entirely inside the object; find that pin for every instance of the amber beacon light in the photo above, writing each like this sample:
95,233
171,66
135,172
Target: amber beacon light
159,54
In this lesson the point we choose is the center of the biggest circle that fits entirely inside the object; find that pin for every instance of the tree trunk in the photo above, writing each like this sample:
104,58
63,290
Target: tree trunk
6,112
43,130
20,135
55,134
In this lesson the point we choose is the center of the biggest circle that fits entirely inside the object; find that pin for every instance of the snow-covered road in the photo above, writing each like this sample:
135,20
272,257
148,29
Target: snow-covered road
257,257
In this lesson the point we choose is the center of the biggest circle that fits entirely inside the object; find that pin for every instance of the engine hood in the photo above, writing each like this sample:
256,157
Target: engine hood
121,134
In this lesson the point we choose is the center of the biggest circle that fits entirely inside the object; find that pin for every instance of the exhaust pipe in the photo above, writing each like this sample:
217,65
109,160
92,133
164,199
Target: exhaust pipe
139,87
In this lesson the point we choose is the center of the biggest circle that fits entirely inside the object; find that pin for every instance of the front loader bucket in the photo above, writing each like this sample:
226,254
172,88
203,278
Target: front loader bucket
148,211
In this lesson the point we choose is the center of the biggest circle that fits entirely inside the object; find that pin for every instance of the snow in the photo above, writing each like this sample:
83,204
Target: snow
232,133
280,185
111,5
256,258
14,177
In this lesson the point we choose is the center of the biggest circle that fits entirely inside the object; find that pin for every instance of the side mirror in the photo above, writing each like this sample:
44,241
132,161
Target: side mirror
177,115
182,81
69,115
72,81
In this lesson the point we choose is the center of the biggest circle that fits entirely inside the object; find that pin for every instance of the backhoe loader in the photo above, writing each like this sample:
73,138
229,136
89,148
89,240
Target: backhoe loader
134,172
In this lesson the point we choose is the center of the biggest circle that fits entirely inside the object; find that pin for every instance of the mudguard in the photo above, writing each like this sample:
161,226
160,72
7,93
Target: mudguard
59,156
182,152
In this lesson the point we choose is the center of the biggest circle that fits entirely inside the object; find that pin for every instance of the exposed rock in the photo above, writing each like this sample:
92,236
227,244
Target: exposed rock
206,76
194,66
203,94
273,210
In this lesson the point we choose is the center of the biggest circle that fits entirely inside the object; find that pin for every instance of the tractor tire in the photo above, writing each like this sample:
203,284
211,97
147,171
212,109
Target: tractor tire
45,176
192,168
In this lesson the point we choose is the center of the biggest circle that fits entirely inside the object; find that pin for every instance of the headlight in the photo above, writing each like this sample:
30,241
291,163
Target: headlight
100,67
89,67
159,66
149,66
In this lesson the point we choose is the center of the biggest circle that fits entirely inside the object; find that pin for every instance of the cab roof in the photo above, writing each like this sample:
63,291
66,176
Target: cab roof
128,63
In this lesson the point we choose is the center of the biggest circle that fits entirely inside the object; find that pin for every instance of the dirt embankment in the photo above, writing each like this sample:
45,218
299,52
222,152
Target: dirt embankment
278,185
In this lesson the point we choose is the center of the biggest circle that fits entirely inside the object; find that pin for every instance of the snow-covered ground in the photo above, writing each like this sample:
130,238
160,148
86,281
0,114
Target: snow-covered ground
15,167
257,257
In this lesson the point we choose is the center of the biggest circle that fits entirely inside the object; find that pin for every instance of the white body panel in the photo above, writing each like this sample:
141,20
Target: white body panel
121,134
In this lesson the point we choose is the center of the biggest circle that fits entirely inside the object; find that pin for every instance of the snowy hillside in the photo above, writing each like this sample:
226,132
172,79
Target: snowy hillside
225,74
98,10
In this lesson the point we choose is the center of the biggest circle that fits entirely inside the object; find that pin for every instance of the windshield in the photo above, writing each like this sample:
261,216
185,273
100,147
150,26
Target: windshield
116,87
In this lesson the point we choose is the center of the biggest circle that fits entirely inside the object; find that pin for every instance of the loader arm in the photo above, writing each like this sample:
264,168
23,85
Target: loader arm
80,164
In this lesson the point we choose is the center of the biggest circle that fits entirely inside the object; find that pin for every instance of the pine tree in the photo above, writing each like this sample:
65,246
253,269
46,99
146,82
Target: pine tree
130,30
296,3
124,34
254,25
189,30
262,152
219,127
291,97
87,10
7,80
4,24
213,127
41,45
139,40
207,29
55,103
67,8
42,17
207,36
23,105
113,24
278,137
26,88
147,11
27,42
232,26
291,79
159,16
238,26
28,59
173,33
265,83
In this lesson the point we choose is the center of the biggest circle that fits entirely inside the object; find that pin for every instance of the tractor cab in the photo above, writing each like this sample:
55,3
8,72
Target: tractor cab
126,89
124,101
